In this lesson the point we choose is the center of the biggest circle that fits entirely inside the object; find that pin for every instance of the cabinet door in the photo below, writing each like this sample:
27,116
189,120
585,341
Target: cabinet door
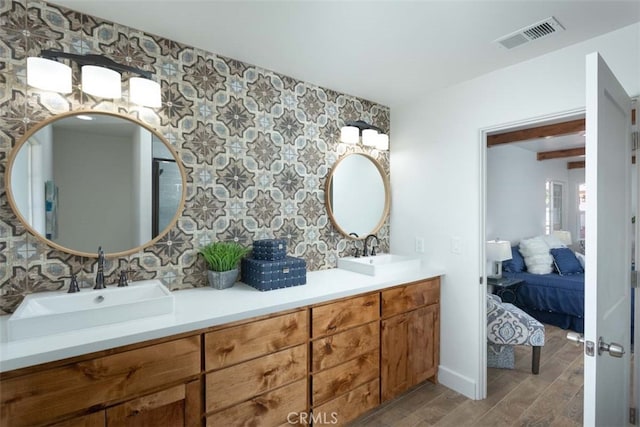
410,347
97,419
423,344
393,369
176,406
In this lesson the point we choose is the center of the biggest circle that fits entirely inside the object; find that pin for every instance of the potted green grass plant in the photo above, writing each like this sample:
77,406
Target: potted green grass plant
222,259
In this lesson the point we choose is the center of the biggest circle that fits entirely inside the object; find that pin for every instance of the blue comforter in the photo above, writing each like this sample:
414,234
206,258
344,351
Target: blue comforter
554,299
559,299
551,292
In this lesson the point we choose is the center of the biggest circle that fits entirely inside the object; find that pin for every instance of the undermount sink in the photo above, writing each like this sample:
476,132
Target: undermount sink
380,264
55,312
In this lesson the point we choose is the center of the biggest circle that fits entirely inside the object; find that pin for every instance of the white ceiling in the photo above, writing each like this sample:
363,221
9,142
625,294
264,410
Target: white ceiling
385,51
562,142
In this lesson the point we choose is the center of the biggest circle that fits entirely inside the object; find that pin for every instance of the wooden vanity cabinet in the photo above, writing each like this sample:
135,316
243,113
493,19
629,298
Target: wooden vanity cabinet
345,359
152,381
256,372
326,364
410,336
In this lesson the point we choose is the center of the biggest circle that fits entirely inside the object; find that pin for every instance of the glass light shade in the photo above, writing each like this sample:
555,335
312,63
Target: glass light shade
47,74
349,134
383,142
370,137
144,92
101,81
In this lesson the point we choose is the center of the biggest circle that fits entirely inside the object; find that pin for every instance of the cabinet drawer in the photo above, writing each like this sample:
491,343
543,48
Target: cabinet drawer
337,316
231,385
405,298
244,342
348,406
97,419
39,397
343,378
335,349
175,406
269,409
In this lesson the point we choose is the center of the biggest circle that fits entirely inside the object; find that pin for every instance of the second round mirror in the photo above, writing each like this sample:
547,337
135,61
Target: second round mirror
357,195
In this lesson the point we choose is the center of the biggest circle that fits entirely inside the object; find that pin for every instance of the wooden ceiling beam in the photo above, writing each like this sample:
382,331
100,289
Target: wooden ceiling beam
575,165
555,129
557,154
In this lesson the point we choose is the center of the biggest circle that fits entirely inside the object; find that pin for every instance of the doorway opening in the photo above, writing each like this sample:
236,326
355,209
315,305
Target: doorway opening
553,149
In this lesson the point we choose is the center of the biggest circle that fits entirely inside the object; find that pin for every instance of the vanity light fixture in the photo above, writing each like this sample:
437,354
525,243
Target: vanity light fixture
100,77
371,136
48,75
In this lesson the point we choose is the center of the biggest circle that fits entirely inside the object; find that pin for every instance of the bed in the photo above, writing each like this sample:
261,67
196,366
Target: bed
552,298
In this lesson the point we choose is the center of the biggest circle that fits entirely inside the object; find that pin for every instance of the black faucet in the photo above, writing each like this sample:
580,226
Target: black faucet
100,273
365,251
73,285
356,254
124,277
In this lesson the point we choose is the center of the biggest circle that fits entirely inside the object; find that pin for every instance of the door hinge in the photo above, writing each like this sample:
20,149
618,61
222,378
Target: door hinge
634,279
634,140
632,416
481,281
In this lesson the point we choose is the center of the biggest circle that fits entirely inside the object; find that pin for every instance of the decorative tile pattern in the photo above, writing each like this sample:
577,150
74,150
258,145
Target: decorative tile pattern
256,146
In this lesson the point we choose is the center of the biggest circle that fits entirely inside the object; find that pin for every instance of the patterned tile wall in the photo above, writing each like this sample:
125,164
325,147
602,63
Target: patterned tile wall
256,146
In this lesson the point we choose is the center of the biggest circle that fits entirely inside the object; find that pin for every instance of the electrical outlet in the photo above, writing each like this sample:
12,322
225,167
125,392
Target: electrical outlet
456,245
420,245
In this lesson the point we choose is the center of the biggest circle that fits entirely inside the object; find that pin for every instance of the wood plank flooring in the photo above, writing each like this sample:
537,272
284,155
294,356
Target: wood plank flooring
515,397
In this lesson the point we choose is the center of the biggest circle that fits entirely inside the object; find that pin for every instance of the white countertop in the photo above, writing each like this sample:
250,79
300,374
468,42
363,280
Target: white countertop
195,309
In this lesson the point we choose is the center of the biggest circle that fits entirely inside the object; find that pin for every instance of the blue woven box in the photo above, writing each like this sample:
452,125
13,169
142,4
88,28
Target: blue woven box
269,249
265,275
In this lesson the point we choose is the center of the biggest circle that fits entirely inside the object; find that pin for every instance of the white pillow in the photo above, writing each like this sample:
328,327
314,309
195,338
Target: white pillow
536,255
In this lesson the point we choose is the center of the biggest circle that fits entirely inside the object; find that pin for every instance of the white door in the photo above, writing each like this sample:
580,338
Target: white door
608,246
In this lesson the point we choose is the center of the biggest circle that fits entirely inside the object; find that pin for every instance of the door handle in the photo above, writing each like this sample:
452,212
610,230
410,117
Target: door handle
614,349
589,348
575,337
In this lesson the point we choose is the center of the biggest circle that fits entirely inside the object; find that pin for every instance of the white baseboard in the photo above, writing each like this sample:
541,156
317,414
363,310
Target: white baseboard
457,382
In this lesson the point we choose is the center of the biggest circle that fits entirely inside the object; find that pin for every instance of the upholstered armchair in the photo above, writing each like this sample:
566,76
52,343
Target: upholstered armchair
507,326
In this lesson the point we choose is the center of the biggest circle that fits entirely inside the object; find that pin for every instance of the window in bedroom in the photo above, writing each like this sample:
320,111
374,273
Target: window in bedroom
582,208
553,200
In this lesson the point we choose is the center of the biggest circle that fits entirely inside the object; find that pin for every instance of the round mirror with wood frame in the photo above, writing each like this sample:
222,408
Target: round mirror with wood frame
357,195
85,179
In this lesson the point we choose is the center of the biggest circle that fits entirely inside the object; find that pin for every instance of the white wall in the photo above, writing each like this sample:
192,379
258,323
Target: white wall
141,195
436,159
96,209
32,167
516,192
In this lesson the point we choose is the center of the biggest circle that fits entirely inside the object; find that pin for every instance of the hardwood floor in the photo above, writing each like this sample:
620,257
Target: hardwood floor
515,397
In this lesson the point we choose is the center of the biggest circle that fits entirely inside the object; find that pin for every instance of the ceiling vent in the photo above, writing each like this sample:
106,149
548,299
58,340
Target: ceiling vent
532,32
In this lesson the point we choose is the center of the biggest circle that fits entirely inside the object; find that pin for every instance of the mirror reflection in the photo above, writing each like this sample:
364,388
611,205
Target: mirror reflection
95,179
357,195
